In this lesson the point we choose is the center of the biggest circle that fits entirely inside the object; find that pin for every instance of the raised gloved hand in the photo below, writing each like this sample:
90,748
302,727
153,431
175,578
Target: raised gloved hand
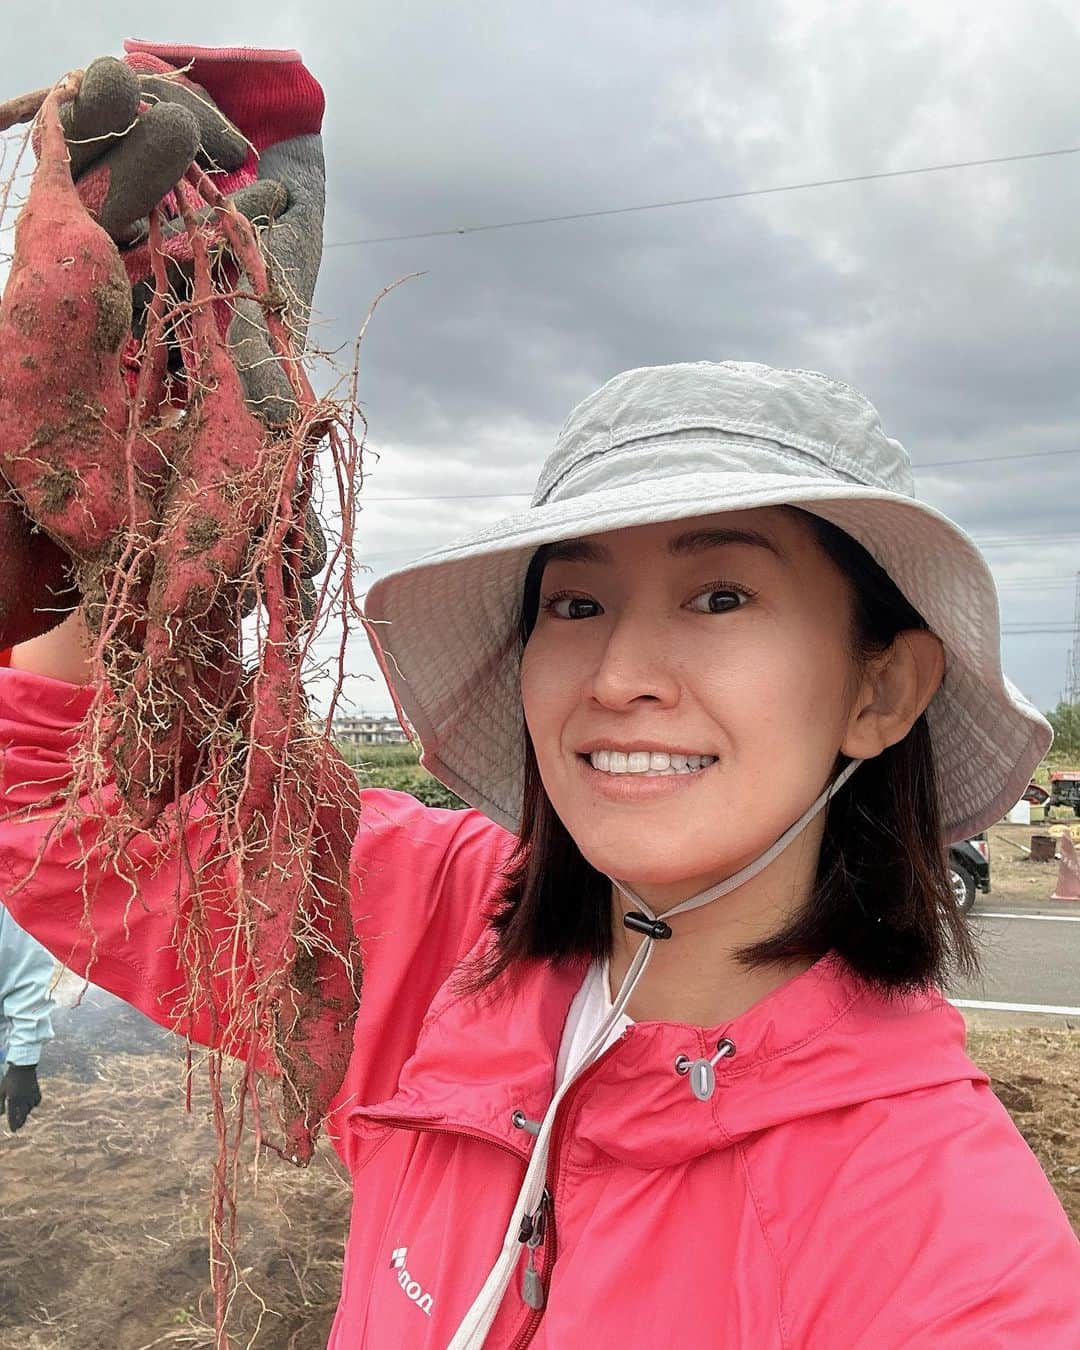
132,137
278,107
134,129
19,1094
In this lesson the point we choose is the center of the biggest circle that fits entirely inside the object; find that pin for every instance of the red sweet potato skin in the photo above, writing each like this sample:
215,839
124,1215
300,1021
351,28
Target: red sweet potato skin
65,318
162,497
221,487
304,953
318,1006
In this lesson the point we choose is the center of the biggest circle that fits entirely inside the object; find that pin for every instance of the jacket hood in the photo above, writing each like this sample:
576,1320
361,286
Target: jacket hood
823,1041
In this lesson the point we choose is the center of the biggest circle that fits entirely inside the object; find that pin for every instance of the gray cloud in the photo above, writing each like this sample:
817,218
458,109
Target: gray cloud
952,300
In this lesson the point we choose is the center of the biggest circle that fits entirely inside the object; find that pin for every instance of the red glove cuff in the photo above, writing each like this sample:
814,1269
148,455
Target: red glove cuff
270,95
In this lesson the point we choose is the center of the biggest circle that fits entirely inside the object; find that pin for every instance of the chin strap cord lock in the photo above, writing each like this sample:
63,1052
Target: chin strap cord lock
641,923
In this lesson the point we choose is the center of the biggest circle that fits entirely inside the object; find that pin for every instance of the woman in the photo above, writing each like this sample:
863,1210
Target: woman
651,1049
26,1005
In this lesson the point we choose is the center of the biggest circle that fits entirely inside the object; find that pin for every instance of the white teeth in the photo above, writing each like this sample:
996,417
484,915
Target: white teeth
650,763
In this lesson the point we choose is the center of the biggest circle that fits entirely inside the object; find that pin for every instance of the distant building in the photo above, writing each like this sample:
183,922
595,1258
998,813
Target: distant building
368,729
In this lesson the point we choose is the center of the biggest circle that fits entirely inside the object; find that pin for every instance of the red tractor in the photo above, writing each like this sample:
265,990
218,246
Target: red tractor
1064,791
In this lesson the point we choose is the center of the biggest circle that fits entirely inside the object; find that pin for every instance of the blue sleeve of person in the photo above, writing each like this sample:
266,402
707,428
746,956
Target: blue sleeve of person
26,972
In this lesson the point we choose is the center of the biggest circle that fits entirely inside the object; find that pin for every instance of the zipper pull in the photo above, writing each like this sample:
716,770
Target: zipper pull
532,1286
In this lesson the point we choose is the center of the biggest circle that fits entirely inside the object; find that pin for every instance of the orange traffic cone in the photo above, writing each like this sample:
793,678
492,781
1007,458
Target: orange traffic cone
1068,882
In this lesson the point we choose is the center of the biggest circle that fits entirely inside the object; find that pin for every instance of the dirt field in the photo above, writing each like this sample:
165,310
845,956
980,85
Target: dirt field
1013,876
103,1211
102,1232
1036,1074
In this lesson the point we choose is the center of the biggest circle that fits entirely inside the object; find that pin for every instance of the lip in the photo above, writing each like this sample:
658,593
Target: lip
629,747
636,787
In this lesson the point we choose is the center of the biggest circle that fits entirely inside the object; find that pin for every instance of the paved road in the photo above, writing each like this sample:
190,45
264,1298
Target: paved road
1030,956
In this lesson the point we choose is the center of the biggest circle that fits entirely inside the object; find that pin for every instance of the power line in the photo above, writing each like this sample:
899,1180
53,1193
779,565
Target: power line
1044,576
1035,586
701,201
445,497
1011,541
993,459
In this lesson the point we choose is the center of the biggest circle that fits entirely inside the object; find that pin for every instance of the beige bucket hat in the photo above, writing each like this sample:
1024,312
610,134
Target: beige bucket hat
668,442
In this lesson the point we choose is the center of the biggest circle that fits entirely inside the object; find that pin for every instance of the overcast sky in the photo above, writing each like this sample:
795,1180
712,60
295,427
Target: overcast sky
951,299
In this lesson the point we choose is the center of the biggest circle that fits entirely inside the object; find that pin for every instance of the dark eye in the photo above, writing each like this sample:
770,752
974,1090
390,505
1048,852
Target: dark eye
565,606
719,600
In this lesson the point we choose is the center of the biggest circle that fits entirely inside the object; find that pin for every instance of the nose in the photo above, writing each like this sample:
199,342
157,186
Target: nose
634,665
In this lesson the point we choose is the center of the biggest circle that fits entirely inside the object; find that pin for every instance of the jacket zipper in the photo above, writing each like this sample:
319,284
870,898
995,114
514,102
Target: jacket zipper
551,1238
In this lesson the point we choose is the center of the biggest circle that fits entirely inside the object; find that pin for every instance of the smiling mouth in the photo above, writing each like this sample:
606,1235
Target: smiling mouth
646,764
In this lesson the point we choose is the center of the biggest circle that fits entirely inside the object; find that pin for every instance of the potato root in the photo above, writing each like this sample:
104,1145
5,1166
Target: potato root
139,480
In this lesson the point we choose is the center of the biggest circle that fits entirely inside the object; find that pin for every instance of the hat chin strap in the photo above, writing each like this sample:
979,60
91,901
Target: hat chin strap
654,926
477,1322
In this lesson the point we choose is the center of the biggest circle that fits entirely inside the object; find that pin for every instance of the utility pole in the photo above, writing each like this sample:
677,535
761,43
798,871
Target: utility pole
1072,662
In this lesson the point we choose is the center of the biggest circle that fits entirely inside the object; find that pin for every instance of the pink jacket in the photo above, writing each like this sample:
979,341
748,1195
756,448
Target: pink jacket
852,1185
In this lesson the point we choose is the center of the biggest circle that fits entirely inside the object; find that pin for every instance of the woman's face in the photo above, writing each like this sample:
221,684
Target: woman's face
725,637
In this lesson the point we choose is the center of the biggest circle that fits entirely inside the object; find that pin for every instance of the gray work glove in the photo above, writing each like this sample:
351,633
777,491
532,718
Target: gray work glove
276,105
288,198
293,245
125,161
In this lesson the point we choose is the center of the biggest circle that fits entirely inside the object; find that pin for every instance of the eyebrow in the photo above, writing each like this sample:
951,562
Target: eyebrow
689,543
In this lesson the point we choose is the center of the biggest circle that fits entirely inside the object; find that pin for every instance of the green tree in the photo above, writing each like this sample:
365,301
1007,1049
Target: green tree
1065,719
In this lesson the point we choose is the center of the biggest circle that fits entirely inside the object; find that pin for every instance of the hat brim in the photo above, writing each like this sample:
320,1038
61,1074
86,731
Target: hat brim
448,628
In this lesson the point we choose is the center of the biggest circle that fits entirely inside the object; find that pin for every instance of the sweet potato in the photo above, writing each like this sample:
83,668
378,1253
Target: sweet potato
186,668
218,493
300,936
64,322
315,1012
139,458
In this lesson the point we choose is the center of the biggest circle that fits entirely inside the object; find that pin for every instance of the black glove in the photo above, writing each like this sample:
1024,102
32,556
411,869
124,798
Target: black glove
19,1094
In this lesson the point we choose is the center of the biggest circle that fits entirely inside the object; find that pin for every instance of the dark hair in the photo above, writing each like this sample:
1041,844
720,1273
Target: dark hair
881,897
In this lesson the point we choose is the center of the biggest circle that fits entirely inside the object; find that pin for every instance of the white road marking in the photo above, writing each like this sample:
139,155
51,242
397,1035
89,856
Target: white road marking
1046,918
1016,1007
